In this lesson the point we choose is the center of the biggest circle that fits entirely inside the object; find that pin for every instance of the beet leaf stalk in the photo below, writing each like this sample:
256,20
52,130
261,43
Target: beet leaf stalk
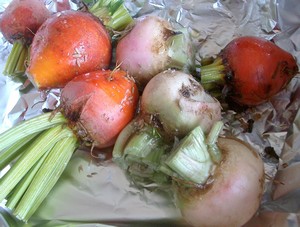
213,75
113,14
16,61
148,159
193,159
42,147
141,154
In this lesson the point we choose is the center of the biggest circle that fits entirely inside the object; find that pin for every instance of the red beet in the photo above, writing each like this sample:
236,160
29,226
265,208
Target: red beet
22,18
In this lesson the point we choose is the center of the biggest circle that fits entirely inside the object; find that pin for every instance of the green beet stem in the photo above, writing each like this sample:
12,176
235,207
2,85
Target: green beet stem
28,127
179,52
28,159
15,63
212,76
113,14
8,155
21,64
211,141
120,19
191,159
47,176
20,189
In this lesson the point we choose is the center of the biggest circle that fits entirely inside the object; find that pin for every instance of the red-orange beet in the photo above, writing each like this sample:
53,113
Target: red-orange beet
101,104
22,18
255,69
259,69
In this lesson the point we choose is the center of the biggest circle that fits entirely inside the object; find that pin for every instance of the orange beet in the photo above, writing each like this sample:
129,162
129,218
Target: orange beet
100,104
68,44
258,69
252,69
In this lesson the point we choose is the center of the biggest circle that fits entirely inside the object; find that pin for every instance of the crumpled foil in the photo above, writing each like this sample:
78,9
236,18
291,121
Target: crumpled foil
95,192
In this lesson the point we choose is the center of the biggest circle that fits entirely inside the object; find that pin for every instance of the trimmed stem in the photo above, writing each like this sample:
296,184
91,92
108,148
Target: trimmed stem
19,191
191,159
213,75
120,19
113,13
141,144
168,171
179,51
16,61
21,65
140,152
47,176
30,156
195,156
154,158
211,142
120,144
145,147
28,127
8,155
146,157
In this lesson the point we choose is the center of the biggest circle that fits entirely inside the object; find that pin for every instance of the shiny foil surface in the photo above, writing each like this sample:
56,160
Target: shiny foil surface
96,192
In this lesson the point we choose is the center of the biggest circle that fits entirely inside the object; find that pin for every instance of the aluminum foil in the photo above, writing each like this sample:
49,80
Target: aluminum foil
95,192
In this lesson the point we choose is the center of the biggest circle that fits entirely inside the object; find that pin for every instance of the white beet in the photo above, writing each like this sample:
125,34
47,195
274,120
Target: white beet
149,47
235,193
143,51
180,103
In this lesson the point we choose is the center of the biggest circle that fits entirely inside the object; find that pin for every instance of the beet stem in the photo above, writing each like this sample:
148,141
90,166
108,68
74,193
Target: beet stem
47,176
30,156
191,159
141,144
15,150
28,127
112,13
15,197
181,55
120,144
21,64
212,75
211,141
16,61
120,19
147,157
141,152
